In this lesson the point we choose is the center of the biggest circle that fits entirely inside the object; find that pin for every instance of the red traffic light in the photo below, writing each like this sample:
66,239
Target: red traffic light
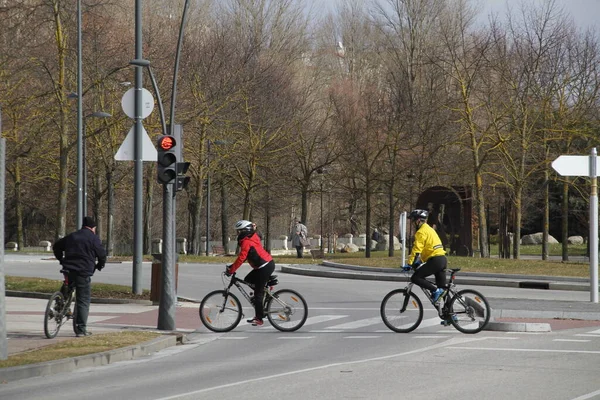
166,142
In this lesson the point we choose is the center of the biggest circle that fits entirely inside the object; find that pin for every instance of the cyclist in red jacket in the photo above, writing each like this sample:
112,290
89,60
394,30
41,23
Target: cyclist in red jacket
260,260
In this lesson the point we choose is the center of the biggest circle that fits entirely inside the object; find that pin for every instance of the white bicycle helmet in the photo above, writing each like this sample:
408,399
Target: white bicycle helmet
244,226
418,214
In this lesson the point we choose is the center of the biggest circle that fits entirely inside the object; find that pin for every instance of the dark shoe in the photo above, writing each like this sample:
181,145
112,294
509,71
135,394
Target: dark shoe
255,322
83,333
447,321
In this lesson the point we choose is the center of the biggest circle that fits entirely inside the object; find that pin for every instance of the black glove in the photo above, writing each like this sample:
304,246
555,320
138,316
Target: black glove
228,270
99,267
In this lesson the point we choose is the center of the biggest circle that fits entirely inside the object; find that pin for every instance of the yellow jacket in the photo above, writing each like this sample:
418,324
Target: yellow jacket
427,244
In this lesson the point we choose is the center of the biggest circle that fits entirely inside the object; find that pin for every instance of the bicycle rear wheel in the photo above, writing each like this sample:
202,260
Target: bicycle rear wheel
286,310
469,310
54,317
400,311
220,311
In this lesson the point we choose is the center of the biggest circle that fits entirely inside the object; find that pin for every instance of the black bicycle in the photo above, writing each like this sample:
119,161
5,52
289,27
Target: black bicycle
221,310
58,309
467,309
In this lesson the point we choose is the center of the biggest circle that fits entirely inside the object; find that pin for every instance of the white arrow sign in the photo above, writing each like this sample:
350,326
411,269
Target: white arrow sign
127,150
573,165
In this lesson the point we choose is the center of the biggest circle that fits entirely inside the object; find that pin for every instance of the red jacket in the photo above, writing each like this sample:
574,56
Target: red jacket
251,250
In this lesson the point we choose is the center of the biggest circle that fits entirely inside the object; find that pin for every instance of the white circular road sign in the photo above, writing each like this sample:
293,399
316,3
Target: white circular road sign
128,103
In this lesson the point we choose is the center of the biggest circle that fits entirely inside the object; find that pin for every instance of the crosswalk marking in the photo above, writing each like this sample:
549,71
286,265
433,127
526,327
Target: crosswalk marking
317,319
361,337
357,324
595,332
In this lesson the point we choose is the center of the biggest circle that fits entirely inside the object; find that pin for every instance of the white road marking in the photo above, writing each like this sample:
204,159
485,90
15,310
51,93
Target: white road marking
295,337
596,331
429,337
587,335
571,340
233,338
525,350
361,337
357,324
588,396
325,366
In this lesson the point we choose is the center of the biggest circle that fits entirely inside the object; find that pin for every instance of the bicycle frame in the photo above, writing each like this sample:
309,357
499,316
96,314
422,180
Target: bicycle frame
449,291
237,282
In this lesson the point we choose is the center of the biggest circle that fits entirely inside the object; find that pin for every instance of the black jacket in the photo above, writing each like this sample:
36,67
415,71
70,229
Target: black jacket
79,250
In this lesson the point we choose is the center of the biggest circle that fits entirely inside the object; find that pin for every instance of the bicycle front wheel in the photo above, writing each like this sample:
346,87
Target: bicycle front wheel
401,311
220,311
53,317
286,310
469,311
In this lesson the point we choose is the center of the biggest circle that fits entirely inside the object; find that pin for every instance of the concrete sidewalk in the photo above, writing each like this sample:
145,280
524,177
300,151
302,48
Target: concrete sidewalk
25,315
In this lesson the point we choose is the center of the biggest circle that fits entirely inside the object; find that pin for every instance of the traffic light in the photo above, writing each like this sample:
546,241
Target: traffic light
167,159
182,180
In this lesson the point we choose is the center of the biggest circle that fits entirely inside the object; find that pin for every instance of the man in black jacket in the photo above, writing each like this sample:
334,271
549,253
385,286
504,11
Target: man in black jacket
77,253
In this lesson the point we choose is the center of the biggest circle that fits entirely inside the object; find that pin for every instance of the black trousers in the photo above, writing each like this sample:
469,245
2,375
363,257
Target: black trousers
433,266
83,296
300,251
259,278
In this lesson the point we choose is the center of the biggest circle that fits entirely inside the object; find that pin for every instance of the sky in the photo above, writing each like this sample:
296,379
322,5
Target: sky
585,13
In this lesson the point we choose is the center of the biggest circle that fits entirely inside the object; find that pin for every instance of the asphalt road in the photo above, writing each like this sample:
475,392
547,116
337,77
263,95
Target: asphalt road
343,352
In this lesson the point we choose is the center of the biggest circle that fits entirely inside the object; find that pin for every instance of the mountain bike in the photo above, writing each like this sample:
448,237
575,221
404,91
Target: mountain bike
467,309
58,309
221,310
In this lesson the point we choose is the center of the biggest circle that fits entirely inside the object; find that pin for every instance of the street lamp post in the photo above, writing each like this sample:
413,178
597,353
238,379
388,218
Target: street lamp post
80,212
97,114
207,196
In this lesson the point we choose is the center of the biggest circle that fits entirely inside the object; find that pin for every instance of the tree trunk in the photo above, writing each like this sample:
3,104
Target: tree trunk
19,206
565,219
110,246
546,221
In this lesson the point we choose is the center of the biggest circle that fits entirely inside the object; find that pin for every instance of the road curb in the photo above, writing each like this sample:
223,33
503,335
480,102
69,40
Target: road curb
87,361
356,272
518,327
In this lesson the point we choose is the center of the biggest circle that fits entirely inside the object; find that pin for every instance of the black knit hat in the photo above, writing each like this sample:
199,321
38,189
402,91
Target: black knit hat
89,222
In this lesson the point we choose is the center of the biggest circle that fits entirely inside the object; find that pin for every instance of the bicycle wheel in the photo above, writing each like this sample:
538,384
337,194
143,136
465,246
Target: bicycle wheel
400,311
469,310
220,311
53,317
286,310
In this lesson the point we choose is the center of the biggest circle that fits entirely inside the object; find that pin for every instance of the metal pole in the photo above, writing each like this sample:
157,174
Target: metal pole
3,340
136,285
207,197
593,228
79,122
166,307
402,228
84,172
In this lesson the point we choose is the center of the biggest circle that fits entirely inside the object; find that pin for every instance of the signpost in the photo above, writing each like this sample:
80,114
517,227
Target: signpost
586,166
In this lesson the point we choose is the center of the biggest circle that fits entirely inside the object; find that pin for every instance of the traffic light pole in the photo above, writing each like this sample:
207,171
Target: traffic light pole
166,308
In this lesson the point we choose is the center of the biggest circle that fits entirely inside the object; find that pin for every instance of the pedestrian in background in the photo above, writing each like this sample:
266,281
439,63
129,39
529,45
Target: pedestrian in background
299,237
78,253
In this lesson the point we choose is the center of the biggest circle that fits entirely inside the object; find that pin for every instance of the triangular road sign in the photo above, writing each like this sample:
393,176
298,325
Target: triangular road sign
126,151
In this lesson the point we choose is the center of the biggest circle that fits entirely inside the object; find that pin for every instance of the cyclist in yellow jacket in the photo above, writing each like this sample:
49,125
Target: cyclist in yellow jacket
428,256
